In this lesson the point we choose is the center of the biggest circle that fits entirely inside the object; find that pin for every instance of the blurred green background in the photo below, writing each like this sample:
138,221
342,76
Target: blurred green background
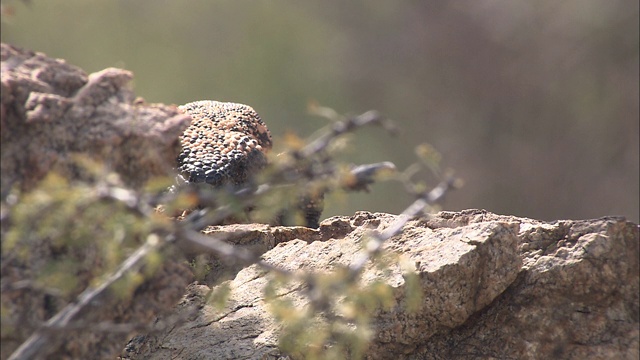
534,104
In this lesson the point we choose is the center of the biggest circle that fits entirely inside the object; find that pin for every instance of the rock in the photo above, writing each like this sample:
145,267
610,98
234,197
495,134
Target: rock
493,287
50,110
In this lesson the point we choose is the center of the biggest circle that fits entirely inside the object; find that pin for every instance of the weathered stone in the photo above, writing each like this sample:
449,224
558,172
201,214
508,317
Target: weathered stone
494,287
50,110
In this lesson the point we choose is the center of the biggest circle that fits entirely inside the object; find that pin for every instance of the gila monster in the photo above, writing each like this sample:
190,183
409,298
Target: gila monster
226,143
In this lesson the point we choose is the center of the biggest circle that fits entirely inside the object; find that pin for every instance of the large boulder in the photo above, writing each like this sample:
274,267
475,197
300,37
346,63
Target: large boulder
51,110
493,287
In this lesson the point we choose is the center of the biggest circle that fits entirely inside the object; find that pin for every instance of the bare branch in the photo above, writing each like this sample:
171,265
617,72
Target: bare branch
417,207
217,245
42,341
341,127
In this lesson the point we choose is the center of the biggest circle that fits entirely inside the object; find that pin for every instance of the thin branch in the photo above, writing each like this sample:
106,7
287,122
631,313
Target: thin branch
341,127
417,207
217,245
42,341
110,327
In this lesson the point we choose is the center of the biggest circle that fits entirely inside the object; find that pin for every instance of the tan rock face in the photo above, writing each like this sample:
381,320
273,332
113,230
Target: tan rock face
493,287
51,110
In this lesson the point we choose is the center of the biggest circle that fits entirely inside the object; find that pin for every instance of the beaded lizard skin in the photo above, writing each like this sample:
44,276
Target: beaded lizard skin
224,144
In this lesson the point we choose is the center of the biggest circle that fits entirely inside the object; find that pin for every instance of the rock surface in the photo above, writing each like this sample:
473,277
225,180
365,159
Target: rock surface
50,110
493,287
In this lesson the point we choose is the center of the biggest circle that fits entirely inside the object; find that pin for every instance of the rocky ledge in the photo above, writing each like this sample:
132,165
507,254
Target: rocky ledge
492,286
51,111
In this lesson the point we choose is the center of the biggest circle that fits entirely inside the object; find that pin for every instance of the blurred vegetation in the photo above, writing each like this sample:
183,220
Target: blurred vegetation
534,104
62,233
62,241
72,240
